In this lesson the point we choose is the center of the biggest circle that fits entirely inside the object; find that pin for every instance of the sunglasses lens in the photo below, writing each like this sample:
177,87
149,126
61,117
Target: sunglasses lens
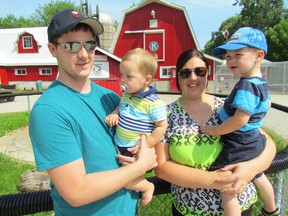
185,73
89,45
200,71
74,47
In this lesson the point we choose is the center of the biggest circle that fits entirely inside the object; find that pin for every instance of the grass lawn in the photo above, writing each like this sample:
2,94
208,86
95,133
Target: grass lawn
13,121
10,168
10,171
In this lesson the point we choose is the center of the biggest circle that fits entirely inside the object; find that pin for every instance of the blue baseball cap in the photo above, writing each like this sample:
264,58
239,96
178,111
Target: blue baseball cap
244,37
66,20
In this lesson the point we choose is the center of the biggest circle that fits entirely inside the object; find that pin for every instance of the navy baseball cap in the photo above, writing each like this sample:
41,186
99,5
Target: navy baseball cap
243,37
66,20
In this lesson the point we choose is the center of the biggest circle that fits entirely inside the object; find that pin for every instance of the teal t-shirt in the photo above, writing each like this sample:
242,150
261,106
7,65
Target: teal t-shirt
66,125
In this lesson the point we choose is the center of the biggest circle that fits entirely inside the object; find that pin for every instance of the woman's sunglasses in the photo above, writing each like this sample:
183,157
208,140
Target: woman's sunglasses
76,46
199,71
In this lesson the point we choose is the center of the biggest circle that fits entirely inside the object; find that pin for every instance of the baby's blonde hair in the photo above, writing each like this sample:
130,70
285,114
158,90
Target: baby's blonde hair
147,61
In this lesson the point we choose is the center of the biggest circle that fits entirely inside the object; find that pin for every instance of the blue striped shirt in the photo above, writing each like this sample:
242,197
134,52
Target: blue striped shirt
250,95
137,115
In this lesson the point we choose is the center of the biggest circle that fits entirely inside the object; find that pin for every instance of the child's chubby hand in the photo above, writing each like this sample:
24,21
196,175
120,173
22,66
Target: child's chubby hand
208,129
112,119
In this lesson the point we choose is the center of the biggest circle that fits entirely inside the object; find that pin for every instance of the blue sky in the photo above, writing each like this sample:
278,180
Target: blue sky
205,15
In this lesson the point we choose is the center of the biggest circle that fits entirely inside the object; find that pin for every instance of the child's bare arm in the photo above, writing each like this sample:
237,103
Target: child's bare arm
113,118
235,122
157,133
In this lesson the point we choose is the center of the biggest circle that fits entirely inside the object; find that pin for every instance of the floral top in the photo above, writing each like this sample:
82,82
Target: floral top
189,147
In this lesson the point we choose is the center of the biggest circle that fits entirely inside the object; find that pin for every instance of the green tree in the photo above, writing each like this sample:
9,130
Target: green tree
261,13
44,12
10,21
277,39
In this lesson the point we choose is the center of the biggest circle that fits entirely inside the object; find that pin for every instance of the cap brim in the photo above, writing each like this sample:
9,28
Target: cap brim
96,26
228,46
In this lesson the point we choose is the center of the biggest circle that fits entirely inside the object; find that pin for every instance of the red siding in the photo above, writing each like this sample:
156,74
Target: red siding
3,76
128,41
112,84
32,73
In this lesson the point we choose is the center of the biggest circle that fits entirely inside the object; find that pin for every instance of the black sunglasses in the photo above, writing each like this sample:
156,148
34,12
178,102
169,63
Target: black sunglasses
199,71
75,46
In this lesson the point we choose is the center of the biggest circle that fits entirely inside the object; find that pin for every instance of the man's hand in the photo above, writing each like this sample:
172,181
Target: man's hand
146,156
134,150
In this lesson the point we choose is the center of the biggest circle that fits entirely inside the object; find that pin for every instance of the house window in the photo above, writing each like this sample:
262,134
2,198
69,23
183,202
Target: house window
45,71
27,42
165,72
20,72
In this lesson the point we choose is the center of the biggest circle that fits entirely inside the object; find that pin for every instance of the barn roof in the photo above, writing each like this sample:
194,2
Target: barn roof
103,51
143,4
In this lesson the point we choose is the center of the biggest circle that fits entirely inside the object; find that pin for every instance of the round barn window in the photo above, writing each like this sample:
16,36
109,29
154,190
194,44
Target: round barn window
153,46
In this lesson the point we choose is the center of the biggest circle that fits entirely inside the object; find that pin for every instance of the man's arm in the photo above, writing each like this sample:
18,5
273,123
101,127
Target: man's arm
79,188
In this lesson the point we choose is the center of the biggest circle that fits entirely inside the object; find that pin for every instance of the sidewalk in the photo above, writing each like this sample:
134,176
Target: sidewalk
17,144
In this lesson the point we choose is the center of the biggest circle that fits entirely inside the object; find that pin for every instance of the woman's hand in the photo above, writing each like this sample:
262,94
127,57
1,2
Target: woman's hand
220,176
241,176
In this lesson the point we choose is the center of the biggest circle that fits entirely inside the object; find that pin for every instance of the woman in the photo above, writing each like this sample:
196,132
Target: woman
185,154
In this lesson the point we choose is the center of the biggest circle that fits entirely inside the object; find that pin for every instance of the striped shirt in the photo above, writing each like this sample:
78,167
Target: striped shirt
250,95
137,115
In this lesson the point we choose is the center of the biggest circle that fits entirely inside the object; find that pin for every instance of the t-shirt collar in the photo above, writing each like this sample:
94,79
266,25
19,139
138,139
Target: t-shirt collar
151,90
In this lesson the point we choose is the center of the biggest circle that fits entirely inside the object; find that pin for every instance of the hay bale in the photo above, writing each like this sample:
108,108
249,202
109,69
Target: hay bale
33,180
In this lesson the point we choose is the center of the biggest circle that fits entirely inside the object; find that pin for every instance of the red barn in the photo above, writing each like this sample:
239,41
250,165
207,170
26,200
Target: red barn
160,27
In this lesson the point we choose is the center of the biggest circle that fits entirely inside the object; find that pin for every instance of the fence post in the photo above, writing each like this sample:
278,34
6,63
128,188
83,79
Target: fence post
28,100
278,187
284,207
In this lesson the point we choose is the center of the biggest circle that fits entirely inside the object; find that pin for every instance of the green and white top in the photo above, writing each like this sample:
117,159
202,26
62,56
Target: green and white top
189,147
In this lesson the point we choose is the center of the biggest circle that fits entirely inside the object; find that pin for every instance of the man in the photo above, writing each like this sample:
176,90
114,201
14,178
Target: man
69,137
